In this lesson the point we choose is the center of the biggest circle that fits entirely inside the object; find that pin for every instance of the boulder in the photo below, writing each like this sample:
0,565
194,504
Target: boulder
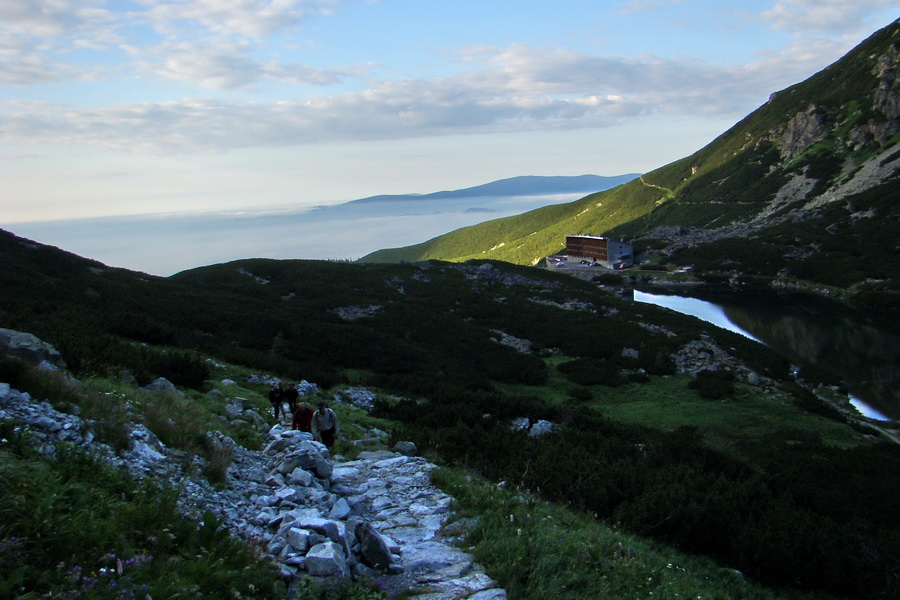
326,560
340,511
359,397
145,446
432,556
163,385
310,456
299,477
298,538
29,348
305,388
406,448
373,550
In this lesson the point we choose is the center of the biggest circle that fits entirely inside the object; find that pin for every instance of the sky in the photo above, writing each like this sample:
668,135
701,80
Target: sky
148,107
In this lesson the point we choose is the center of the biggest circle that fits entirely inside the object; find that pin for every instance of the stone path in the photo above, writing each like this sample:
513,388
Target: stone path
377,516
395,494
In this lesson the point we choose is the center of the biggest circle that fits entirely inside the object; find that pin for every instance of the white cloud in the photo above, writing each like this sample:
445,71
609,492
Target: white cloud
513,89
43,18
218,65
252,18
36,36
827,16
206,43
20,64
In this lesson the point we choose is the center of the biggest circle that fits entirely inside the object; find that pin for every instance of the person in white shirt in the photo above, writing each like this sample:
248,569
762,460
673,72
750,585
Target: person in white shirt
325,426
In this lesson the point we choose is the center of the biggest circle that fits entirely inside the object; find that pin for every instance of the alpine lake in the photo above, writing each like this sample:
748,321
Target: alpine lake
809,330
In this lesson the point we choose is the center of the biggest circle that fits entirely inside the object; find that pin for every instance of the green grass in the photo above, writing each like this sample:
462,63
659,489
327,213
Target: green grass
668,404
537,551
74,528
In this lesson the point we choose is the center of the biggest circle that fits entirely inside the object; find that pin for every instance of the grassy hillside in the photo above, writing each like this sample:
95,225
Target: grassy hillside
525,239
808,179
455,351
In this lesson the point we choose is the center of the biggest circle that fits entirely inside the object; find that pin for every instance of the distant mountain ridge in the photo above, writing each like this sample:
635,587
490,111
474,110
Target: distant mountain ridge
525,185
806,189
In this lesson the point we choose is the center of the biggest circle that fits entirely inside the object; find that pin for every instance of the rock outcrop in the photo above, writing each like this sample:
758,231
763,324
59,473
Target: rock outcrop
29,348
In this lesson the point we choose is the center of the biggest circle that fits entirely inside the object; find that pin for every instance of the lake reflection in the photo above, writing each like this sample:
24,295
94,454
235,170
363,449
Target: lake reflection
706,311
808,330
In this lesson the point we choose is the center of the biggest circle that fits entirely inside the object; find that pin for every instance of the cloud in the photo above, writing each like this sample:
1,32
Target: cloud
509,89
35,35
252,18
206,43
827,16
217,65
209,44
42,18
21,65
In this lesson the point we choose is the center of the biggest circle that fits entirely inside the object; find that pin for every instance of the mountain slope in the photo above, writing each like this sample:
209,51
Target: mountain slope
812,174
705,458
526,185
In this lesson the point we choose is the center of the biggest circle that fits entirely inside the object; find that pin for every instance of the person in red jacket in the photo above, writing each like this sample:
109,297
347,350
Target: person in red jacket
302,418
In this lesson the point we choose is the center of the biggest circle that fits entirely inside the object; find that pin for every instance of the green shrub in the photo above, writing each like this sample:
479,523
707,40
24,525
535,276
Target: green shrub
40,384
608,279
713,385
592,371
806,400
217,459
581,394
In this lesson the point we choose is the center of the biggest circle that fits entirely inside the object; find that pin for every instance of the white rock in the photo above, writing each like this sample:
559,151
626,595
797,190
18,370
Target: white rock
298,538
326,559
340,511
299,477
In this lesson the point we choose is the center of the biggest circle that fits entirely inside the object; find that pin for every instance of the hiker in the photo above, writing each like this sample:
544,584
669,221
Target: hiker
276,397
302,418
325,426
291,394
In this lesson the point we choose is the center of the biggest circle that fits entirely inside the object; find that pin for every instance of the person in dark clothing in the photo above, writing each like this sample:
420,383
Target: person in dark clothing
302,418
276,397
325,426
291,394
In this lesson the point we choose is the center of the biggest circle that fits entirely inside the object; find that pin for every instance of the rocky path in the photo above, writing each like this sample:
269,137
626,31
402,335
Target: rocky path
378,516
395,495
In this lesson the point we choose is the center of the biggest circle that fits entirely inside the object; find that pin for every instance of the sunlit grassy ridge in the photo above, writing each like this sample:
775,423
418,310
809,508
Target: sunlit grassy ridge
525,239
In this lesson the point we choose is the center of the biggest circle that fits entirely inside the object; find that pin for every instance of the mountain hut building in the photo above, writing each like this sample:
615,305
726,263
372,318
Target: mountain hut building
597,249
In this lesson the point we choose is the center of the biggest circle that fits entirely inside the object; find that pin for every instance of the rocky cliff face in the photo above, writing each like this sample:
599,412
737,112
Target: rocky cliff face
801,133
865,154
